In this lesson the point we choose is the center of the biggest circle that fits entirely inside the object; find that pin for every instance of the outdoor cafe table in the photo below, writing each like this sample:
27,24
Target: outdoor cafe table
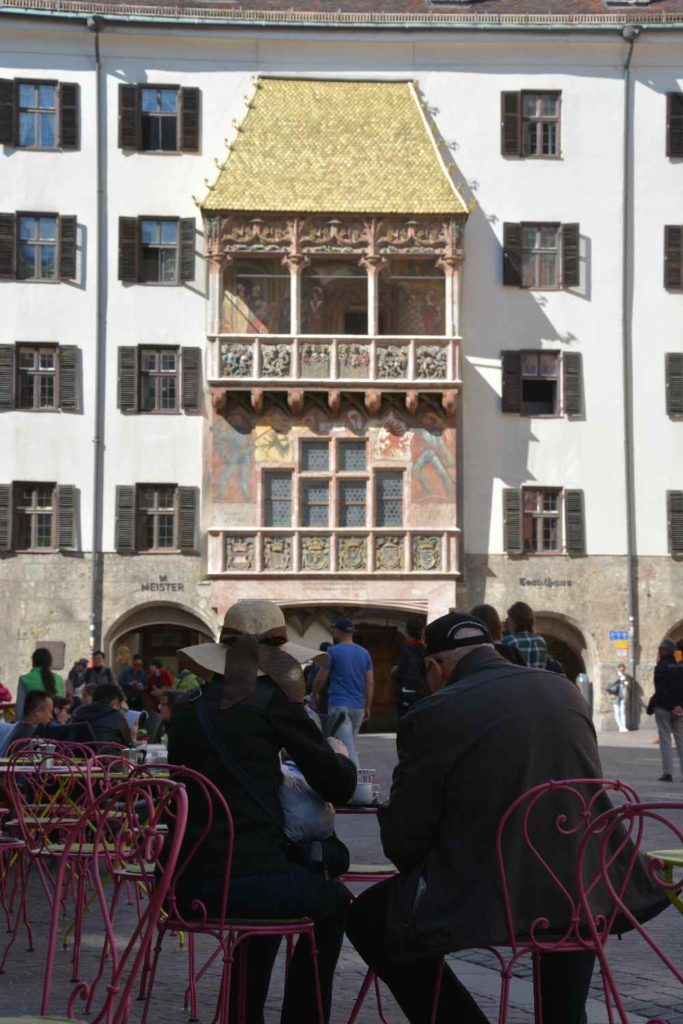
670,860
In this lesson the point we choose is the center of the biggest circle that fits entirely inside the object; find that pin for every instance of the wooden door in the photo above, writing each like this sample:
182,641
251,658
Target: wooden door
383,644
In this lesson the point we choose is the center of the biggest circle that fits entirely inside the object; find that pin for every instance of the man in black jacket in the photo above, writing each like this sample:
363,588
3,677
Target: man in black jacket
667,705
409,671
493,731
104,715
254,716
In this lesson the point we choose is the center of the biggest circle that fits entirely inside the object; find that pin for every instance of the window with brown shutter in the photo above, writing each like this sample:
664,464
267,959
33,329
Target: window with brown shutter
124,522
541,520
674,125
129,244
156,517
69,116
572,384
187,248
67,248
674,383
6,377
34,519
673,256
187,505
512,255
6,517
511,123
45,247
159,118
191,371
540,117
512,520
512,382
127,387
158,370
65,500
541,256
8,114
571,270
674,506
69,378
575,522
8,232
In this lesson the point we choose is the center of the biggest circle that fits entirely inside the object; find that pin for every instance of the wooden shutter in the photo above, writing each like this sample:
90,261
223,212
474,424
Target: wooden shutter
511,123
7,239
189,120
674,124
68,115
124,530
512,520
187,232
66,516
186,506
129,117
69,398
8,112
674,507
5,517
574,523
512,382
674,383
673,256
571,270
6,377
67,248
512,255
127,397
191,369
572,384
129,233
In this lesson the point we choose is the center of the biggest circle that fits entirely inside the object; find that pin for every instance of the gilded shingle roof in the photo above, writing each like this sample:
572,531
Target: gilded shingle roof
316,146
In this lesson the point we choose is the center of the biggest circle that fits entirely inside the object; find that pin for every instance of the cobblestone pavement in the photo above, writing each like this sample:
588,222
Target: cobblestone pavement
648,989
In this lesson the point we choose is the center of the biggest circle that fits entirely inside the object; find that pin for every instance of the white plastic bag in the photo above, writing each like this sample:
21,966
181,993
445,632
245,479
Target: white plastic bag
307,815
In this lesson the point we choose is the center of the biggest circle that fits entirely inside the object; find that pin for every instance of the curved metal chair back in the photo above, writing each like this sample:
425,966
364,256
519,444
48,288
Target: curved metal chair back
124,825
537,844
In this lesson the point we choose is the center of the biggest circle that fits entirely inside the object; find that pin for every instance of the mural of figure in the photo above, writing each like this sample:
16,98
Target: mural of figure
233,447
431,315
236,306
432,457
259,310
313,317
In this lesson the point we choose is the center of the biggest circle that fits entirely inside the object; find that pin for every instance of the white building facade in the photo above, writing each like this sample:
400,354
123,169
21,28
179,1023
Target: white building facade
553,435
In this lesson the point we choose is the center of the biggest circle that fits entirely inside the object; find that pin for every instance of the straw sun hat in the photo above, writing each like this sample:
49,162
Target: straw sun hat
253,642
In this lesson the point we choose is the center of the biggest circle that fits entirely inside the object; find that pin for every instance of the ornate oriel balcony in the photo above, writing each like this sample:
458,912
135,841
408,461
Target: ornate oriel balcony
336,552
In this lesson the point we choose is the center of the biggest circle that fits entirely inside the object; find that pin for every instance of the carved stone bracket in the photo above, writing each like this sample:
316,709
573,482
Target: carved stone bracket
449,403
257,400
295,400
334,401
373,401
412,399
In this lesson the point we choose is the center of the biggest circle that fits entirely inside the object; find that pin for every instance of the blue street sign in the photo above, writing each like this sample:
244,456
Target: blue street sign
618,634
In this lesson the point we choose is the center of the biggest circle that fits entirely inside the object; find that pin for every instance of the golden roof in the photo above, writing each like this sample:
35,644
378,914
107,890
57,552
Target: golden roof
314,146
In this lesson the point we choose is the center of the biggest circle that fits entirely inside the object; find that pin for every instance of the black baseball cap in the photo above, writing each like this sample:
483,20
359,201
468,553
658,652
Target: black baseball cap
442,634
343,625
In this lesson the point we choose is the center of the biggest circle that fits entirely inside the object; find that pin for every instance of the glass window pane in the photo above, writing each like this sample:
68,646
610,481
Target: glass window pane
165,531
549,139
27,94
550,534
169,101
315,456
549,364
530,364
148,360
167,134
529,104
278,499
149,232
48,228
168,362
389,499
168,265
26,358
529,236
530,132
168,392
352,499
352,457
27,227
529,530
27,259
549,106
530,500
47,360
550,501
315,502
549,237
147,393
44,531
149,101
548,270
149,531
25,391
44,496
47,392
169,232
46,96
47,130
48,261
150,264
27,129
166,497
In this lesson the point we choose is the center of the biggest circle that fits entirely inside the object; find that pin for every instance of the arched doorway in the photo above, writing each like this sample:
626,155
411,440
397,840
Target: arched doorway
155,631
379,630
565,641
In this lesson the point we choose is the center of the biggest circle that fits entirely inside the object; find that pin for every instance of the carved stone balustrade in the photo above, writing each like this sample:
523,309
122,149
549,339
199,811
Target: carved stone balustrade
279,362
339,552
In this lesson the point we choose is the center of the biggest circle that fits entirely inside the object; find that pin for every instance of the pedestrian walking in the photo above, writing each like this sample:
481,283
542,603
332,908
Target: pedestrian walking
666,704
351,686
618,691
521,633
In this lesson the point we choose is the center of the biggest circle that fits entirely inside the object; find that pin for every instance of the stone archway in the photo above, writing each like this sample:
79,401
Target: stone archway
676,632
565,641
155,630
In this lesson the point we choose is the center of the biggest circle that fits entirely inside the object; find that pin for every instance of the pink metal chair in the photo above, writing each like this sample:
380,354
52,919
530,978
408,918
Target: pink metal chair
371,873
139,839
549,818
619,834
229,934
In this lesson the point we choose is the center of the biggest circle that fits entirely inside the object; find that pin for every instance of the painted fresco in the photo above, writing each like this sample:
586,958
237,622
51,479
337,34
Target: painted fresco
412,296
256,298
232,459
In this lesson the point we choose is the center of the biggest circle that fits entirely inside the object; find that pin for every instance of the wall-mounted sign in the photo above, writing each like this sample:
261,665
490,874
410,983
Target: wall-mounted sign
164,586
618,634
545,582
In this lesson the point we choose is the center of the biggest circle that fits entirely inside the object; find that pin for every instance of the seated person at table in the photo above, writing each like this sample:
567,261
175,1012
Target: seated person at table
104,715
37,713
488,732
251,708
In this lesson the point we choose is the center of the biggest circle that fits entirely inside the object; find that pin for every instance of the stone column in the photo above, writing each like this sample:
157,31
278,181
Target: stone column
296,263
451,269
374,265
217,263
